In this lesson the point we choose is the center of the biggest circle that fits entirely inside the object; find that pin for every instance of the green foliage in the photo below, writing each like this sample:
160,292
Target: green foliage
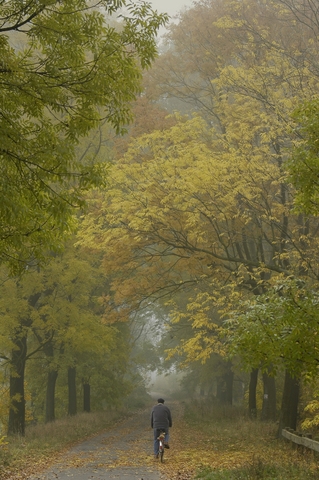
309,416
63,70
276,328
303,165
59,309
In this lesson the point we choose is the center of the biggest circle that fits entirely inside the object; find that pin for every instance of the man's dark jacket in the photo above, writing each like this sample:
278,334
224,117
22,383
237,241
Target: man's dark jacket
161,416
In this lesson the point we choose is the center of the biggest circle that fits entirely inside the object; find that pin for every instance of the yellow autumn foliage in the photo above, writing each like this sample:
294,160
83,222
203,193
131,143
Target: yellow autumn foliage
189,207
203,208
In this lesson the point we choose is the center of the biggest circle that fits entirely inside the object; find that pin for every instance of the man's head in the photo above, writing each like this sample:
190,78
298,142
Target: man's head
160,400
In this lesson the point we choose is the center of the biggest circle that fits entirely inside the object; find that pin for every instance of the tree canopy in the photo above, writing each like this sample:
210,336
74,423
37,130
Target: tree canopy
206,205
278,327
303,164
64,68
185,210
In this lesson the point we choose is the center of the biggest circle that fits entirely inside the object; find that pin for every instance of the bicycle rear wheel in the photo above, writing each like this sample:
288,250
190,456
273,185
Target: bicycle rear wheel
161,451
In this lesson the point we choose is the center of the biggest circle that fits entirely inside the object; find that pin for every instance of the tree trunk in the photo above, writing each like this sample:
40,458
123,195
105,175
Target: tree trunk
220,394
50,396
86,397
229,383
51,382
289,405
252,402
224,394
269,398
16,424
72,391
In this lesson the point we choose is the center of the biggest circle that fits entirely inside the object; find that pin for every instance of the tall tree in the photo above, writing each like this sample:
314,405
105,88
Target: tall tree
215,209
187,208
283,323
54,312
14,346
64,68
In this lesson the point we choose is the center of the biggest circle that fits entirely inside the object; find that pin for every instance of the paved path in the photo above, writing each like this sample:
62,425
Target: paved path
124,452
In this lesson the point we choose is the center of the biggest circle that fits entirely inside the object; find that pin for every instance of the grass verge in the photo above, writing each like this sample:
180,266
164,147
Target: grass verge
211,443
42,443
260,470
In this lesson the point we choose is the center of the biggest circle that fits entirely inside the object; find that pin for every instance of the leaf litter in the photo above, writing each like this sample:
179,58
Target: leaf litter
193,446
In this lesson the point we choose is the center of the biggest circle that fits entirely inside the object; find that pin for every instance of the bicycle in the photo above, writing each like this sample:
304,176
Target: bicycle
161,447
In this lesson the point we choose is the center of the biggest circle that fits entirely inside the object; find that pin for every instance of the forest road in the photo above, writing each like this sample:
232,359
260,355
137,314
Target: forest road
123,452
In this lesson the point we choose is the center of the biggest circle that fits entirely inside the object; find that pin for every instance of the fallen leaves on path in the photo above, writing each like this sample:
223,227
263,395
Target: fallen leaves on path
224,445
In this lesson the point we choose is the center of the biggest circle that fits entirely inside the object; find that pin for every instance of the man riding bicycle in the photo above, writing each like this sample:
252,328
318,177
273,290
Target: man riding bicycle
161,419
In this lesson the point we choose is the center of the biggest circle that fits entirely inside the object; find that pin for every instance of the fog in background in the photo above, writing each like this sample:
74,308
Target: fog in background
172,7
166,385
